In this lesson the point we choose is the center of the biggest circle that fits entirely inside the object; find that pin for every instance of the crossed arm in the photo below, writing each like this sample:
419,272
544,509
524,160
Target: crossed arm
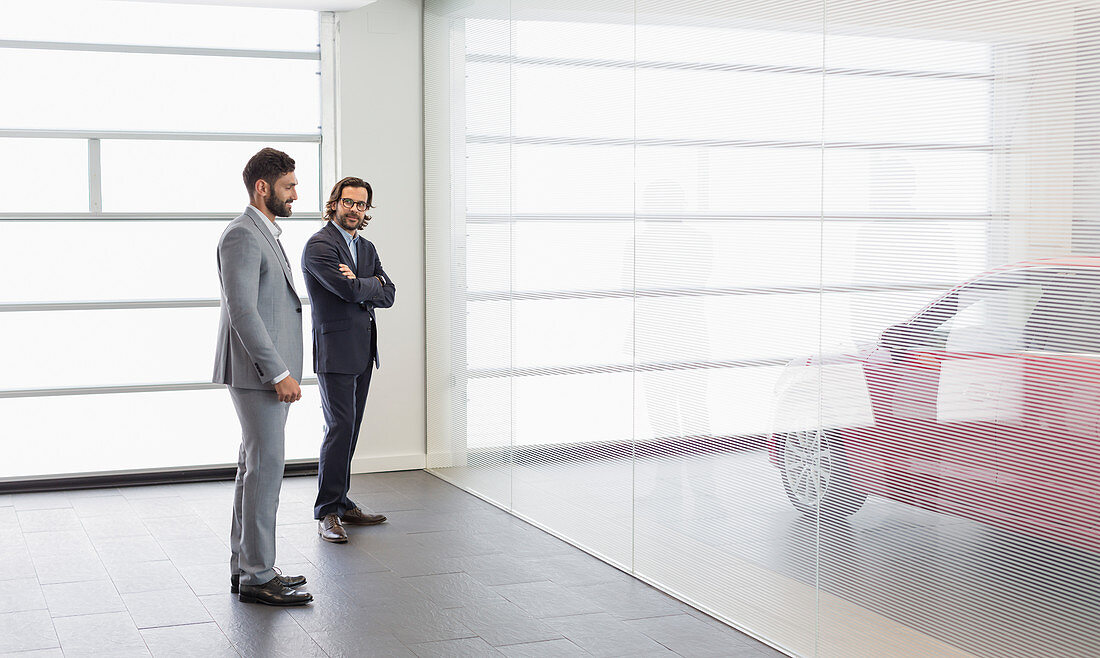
388,289
322,262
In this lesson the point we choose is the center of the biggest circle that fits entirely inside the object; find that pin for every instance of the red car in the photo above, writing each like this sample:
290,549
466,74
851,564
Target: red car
985,404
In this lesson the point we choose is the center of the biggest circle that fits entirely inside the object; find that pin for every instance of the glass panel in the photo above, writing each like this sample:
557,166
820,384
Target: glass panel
589,255
159,24
117,347
894,182
179,177
488,99
561,179
901,253
123,91
845,489
692,104
138,431
873,109
895,53
561,40
43,175
601,102
771,254
695,44
163,259
488,179
488,252
728,181
558,485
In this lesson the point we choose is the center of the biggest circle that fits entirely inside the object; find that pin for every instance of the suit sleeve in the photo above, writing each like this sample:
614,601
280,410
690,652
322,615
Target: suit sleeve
388,292
321,260
239,257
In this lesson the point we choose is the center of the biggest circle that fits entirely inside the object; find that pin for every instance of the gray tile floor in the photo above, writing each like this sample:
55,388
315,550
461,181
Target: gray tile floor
986,591
143,570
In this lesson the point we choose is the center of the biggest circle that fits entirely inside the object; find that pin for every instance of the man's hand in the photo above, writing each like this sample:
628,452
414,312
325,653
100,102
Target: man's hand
288,390
346,271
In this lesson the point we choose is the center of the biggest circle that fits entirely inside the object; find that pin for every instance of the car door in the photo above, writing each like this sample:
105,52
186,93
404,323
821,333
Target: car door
1050,437
940,394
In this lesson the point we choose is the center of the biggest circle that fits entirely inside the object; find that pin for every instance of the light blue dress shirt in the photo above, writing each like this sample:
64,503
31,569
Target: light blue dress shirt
353,243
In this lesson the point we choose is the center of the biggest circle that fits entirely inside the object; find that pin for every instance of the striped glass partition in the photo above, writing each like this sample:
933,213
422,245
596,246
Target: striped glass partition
788,308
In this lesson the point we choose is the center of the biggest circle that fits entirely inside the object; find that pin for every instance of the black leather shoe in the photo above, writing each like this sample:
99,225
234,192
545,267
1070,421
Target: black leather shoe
273,592
331,530
292,582
359,517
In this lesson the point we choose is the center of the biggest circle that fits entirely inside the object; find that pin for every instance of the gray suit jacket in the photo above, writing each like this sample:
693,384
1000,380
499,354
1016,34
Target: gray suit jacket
260,332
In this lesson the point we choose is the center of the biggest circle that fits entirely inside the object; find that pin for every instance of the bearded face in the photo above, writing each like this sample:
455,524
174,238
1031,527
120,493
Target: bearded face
279,204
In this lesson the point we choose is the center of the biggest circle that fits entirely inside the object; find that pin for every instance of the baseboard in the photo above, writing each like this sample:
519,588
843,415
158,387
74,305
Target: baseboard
388,463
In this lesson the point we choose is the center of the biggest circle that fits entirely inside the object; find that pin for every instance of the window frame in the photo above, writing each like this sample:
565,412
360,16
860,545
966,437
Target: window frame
324,139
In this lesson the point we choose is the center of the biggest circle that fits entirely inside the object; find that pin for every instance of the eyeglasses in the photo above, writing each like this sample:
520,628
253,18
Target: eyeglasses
352,203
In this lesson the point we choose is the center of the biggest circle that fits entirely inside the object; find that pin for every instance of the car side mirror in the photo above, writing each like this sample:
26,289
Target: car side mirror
903,338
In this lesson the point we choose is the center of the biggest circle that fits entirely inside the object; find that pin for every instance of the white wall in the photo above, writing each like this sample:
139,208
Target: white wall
380,105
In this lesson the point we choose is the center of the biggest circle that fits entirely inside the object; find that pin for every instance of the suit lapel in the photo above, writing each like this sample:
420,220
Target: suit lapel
284,262
341,245
361,257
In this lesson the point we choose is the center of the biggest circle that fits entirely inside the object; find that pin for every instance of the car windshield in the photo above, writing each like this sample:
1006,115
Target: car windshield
1053,310
1067,317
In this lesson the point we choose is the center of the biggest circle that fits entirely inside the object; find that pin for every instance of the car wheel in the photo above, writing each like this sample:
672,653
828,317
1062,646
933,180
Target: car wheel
815,475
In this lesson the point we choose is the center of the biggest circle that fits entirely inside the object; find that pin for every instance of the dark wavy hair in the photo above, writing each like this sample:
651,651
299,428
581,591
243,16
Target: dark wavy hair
268,164
338,192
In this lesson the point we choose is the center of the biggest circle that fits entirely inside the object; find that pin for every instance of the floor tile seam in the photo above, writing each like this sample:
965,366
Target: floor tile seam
671,614
112,580
127,612
89,614
56,636
232,644
410,645
45,607
134,623
556,639
577,614
190,623
139,520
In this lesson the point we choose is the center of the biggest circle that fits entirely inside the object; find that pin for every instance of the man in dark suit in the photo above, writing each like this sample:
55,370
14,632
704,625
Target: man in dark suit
345,282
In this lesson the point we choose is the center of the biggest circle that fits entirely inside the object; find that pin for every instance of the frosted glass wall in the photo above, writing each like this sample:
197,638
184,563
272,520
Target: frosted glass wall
787,308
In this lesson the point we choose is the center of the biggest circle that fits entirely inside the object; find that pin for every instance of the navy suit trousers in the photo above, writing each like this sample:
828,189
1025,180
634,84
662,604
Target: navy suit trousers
343,399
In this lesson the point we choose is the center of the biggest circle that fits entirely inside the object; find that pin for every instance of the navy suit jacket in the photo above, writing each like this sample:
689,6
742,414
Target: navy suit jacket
343,308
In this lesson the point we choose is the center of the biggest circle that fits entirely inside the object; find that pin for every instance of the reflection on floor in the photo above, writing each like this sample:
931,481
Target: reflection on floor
892,580
144,570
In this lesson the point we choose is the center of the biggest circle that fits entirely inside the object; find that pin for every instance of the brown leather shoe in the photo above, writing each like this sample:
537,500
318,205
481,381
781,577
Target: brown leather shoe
273,592
331,530
359,517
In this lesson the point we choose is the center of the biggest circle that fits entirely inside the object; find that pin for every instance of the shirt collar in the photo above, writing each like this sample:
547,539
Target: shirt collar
271,226
347,236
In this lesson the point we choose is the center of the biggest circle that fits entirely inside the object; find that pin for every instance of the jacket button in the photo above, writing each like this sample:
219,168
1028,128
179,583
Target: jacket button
298,310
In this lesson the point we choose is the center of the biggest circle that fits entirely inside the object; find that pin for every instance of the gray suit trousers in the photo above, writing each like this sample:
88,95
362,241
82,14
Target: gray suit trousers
259,479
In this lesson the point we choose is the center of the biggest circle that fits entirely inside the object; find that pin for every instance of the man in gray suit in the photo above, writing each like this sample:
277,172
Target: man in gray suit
259,358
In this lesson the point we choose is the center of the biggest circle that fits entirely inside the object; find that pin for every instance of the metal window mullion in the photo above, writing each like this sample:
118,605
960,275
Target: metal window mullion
330,155
497,219
117,305
481,138
161,135
95,177
483,58
115,390
159,50
141,217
